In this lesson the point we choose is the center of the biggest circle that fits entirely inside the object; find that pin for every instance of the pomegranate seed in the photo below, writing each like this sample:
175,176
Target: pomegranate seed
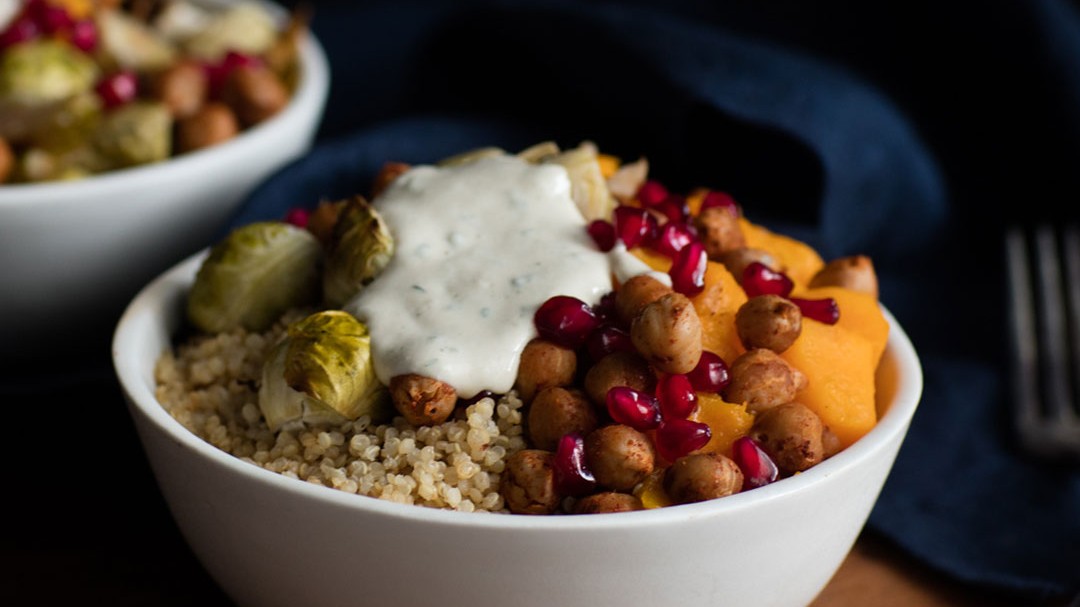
672,238
719,199
118,89
605,308
608,339
822,310
711,373
688,269
651,193
603,234
757,467
677,396
572,476
636,409
52,19
674,208
565,320
759,279
677,437
298,217
22,29
634,226
84,35
218,73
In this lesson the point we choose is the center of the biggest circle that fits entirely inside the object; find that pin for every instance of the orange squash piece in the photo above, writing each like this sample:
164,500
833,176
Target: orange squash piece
797,259
716,306
859,313
726,421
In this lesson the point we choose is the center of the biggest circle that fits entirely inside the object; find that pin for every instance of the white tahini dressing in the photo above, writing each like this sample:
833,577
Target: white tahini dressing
478,248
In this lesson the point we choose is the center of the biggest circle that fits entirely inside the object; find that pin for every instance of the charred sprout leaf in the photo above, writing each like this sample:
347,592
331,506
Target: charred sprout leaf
134,134
253,276
588,186
131,44
470,156
245,28
322,373
44,71
360,248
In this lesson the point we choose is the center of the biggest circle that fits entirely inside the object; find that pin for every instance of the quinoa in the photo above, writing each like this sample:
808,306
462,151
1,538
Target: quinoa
210,385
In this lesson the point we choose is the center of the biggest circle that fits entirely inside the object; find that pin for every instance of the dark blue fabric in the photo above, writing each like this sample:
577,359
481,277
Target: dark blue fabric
913,134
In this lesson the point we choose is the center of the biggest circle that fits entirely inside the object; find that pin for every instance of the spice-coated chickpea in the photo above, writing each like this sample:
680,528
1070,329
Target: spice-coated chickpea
736,261
528,482
182,87
422,401
210,125
792,435
544,364
768,321
702,476
618,369
855,272
558,411
7,160
255,93
667,333
619,456
719,231
607,501
761,379
636,293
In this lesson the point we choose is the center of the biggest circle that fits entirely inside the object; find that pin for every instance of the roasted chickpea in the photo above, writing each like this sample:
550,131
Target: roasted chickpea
830,442
702,476
255,93
736,261
667,333
528,482
636,293
761,379
544,364
607,501
181,87
792,435
768,321
7,160
557,411
422,401
719,231
618,369
323,218
211,124
619,456
855,272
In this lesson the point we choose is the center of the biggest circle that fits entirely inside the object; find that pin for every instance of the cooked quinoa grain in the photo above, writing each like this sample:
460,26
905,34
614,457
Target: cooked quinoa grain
210,385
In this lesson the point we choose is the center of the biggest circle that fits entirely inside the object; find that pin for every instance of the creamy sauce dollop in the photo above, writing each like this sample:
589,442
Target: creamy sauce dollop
478,248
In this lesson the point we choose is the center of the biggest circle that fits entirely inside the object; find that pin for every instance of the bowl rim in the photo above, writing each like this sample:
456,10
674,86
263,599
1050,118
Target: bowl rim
144,316
309,96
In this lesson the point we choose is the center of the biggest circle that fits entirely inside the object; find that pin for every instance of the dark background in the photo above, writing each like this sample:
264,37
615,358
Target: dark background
990,87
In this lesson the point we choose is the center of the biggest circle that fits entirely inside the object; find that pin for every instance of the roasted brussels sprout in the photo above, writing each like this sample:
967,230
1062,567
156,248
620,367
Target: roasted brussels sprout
253,276
470,156
359,249
130,43
44,71
322,372
245,28
540,152
134,134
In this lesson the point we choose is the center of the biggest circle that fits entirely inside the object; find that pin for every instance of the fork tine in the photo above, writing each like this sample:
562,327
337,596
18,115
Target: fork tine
1072,281
1053,328
1022,309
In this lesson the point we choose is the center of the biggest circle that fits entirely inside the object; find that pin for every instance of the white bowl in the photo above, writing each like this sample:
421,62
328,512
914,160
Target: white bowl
270,540
75,253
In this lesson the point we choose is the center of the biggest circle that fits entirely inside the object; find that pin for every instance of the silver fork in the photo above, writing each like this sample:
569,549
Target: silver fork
1044,281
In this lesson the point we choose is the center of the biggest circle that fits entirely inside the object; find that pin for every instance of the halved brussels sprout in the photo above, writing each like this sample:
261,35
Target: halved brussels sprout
543,151
253,276
322,373
136,133
588,187
359,249
245,27
470,156
131,44
44,71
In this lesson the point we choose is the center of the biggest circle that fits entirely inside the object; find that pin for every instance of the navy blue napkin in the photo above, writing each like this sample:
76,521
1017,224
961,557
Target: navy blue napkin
730,99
